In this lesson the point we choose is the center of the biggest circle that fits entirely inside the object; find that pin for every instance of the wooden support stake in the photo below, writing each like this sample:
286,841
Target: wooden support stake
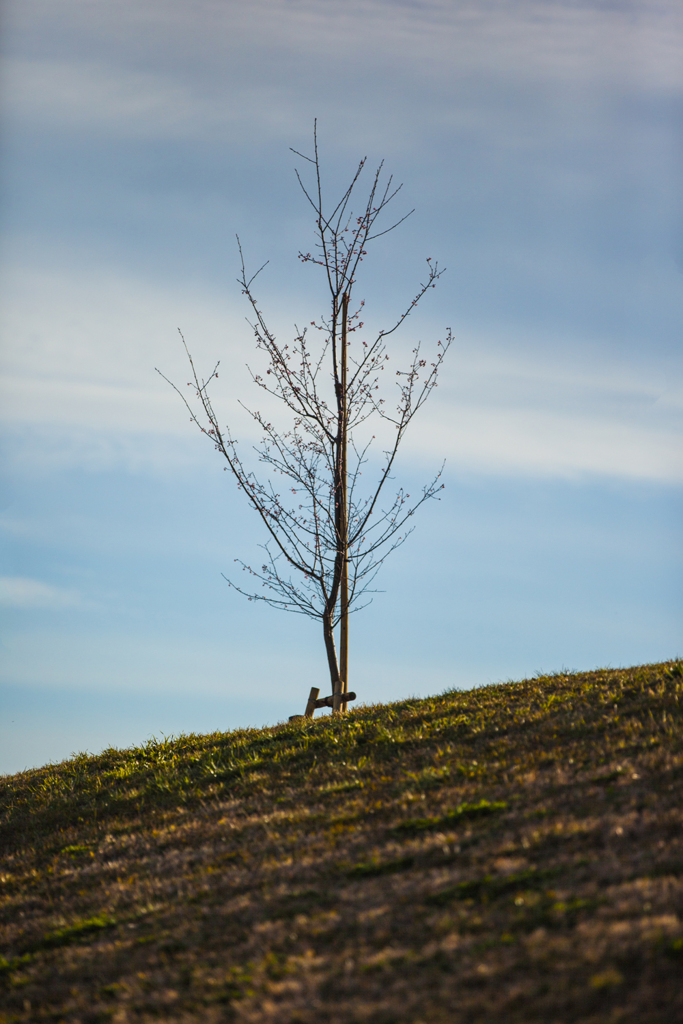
340,706
328,702
311,703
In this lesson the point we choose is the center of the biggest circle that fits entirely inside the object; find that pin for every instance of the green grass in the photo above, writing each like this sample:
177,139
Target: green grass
412,826
506,855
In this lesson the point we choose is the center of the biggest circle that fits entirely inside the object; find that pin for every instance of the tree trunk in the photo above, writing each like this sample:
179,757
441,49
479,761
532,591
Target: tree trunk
328,630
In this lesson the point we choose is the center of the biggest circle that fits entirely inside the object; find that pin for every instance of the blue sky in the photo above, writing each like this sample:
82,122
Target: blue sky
540,144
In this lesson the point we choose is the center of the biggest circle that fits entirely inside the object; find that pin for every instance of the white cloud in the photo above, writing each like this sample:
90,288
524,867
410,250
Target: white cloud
22,592
68,94
80,388
570,413
203,70
538,442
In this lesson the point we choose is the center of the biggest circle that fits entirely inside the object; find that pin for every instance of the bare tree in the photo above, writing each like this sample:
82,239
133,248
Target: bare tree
329,534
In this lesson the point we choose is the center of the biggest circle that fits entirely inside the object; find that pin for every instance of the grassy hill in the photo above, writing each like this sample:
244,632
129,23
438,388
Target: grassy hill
512,854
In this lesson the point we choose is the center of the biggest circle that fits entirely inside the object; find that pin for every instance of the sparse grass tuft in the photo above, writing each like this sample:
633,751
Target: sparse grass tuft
512,853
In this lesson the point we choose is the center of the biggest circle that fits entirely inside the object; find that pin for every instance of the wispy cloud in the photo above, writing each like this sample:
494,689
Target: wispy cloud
270,57
539,185
23,592
82,390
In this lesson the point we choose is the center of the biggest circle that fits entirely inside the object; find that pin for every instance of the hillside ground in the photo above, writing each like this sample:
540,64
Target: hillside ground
505,855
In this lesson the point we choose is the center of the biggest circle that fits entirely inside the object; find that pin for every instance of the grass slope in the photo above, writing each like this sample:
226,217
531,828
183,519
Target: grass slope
507,854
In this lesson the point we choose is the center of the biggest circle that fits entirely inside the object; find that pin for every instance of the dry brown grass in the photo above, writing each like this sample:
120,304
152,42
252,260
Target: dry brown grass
510,854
